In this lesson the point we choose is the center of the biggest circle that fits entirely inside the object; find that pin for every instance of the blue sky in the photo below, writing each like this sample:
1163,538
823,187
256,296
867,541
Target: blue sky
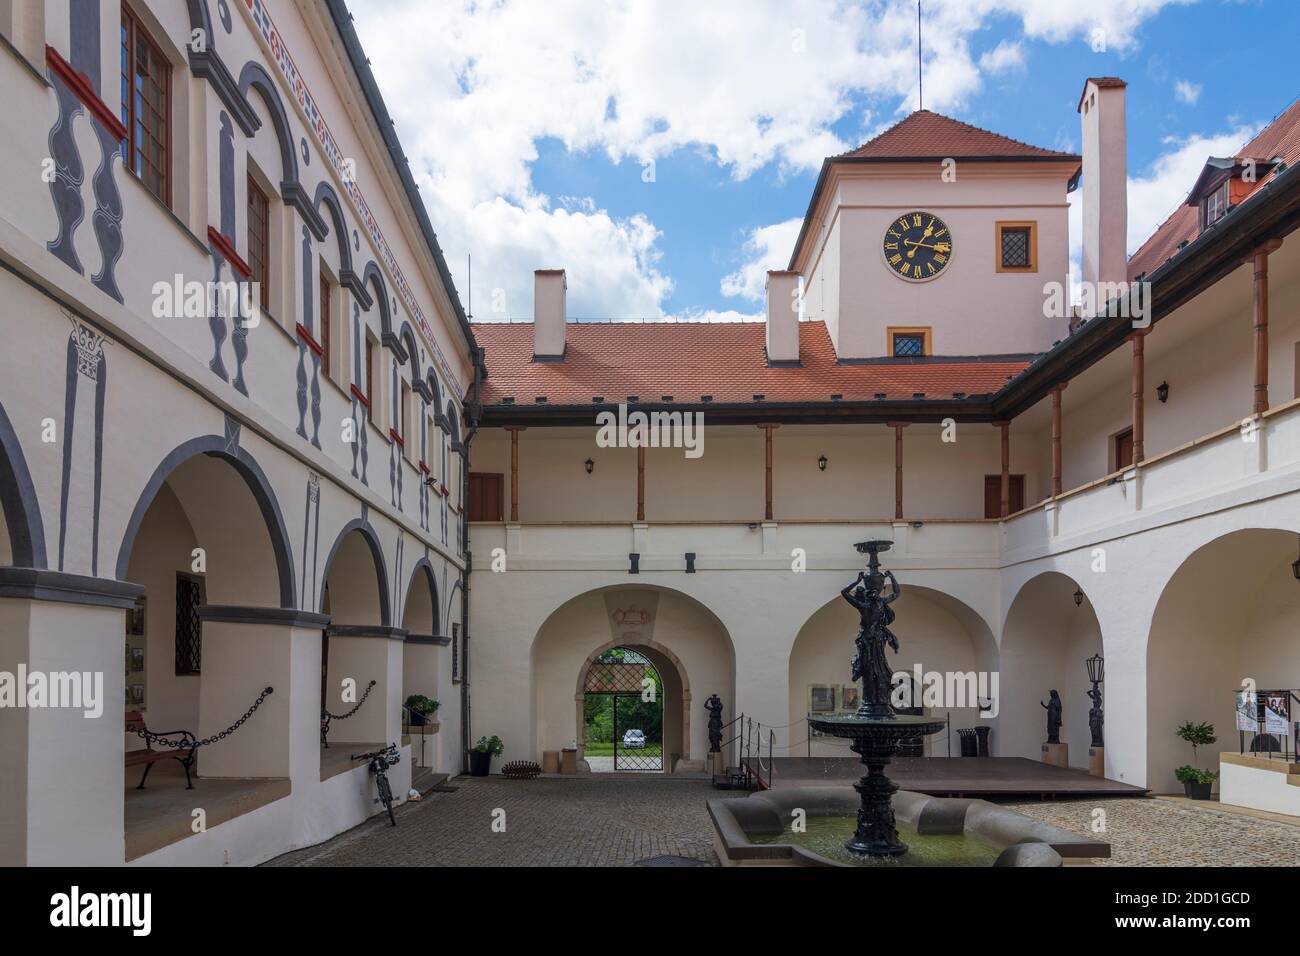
530,127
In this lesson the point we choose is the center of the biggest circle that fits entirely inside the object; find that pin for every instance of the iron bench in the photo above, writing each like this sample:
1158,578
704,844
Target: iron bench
183,750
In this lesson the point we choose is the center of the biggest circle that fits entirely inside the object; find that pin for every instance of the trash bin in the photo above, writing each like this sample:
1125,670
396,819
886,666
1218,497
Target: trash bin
969,745
982,735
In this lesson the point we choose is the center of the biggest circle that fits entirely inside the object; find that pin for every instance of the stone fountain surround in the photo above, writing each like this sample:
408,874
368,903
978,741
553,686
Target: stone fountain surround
1026,842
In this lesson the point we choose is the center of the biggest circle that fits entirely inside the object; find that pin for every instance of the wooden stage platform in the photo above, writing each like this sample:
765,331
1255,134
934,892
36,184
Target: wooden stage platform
984,777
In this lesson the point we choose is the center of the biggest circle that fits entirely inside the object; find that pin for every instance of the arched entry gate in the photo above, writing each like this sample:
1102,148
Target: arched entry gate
623,713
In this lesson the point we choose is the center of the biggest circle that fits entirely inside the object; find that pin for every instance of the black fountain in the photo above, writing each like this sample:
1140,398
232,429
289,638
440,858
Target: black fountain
876,730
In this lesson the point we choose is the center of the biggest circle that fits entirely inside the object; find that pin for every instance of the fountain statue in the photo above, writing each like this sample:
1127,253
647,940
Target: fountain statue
714,706
876,731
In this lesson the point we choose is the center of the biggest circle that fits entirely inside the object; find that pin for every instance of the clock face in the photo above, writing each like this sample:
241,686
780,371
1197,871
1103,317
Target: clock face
917,246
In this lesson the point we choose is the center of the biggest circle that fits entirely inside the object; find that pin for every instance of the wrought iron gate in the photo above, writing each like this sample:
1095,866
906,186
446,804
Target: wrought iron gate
633,688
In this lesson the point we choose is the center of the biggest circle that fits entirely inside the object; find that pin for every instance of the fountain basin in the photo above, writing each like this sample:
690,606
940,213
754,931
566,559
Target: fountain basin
1013,838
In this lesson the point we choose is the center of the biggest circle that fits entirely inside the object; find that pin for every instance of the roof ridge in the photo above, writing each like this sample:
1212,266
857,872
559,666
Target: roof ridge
971,127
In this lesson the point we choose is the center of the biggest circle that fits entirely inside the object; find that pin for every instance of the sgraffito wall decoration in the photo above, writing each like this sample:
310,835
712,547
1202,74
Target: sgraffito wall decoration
85,388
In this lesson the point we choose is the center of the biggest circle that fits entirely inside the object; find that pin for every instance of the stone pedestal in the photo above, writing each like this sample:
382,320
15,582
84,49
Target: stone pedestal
61,773
715,764
1097,761
569,760
550,761
1058,755
246,650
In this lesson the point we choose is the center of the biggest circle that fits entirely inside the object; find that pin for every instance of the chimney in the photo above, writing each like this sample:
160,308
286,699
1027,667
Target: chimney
549,287
782,318
1105,181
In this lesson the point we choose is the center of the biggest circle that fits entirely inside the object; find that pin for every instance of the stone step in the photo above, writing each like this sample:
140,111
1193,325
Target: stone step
424,779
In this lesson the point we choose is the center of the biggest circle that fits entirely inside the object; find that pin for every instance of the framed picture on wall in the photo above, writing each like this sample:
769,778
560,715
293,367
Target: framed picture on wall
821,698
850,697
135,619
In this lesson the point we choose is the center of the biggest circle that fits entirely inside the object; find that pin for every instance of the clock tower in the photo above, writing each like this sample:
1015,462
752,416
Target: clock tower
937,238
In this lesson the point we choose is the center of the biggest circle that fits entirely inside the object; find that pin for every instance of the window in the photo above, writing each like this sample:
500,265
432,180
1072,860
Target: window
455,654
326,319
1123,450
993,495
906,342
404,423
1214,206
370,376
189,630
146,108
1017,249
486,496
259,242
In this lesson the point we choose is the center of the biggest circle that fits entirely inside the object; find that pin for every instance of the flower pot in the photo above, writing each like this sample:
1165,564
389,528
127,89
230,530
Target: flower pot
480,763
1196,790
418,719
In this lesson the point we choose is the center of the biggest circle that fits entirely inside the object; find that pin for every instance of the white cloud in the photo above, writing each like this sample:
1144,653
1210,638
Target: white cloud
1003,57
474,87
1187,92
767,247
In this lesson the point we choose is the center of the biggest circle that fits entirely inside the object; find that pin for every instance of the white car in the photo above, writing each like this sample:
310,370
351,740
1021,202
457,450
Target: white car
633,740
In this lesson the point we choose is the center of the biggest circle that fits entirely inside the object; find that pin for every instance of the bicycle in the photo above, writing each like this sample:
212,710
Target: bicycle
380,761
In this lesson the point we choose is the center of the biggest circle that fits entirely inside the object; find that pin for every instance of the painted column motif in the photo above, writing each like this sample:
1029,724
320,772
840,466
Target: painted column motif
87,371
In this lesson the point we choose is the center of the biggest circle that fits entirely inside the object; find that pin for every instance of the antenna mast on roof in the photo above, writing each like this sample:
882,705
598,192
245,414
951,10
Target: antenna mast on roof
920,87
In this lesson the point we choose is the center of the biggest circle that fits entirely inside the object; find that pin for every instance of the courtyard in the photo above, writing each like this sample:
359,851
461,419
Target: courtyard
607,821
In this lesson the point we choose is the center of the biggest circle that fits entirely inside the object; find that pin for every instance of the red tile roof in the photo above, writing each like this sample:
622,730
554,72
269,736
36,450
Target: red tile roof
924,134
1281,138
724,360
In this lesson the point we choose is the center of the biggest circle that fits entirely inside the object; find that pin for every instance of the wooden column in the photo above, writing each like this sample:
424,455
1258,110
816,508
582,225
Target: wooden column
898,468
1139,387
514,431
1056,439
1260,259
1005,429
767,498
640,483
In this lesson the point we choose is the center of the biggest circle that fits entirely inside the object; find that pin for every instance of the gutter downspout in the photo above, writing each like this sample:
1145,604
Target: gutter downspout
475,407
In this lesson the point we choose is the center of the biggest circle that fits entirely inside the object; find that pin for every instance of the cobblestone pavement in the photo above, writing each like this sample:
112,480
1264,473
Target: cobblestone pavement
549,822
1152,832
607,821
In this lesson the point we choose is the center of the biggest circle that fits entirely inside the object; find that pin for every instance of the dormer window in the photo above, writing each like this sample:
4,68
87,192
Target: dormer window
1215,206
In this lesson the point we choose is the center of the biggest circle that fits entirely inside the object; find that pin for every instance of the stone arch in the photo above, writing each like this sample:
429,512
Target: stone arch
217,446
254,77
676,700
453,425
372,276
1046,639
682,637
935,630
423,569
363,530
1229,612
325,196
19,502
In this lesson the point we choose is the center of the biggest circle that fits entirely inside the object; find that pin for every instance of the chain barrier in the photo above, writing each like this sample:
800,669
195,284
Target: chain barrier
188,742
326,717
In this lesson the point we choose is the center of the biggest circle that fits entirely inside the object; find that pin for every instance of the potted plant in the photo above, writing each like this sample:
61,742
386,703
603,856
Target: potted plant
481,754
1196,782
421,709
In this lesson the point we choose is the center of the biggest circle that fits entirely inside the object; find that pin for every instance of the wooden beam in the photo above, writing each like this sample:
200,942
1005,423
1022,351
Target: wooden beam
898,468
1005,429
768,428
640,483
1056,439
1260,259
514,431
1139,388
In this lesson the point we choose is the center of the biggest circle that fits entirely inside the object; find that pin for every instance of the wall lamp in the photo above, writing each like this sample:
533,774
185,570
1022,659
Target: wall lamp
1162,391
1078,597
590,466
1295,568
821,463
